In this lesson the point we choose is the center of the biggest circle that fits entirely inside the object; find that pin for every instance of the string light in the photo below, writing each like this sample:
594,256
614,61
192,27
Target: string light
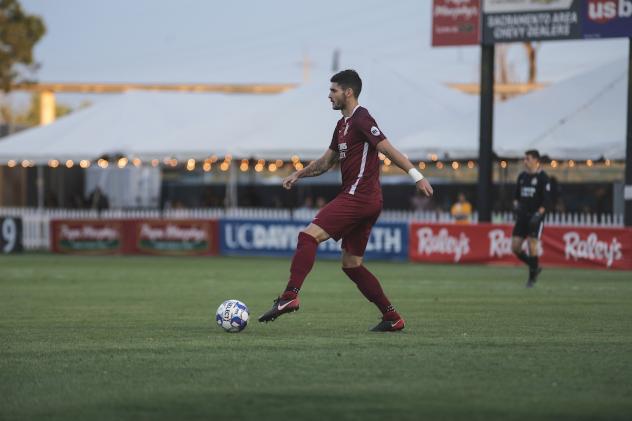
122,163
571,163
387,162
272,167
244,165
53,163
154,162
470,164
439,165
207,166
554,164
455,165
503,164
137,162
25,164
422,165
607,162
191,164
279,163
213,159
298,166
84,163
11,163
589,162
259,167
224,166
295,159
102,163
434,157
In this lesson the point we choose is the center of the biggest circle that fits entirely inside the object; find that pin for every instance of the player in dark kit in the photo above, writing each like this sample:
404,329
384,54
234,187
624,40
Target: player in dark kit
531,198
350,216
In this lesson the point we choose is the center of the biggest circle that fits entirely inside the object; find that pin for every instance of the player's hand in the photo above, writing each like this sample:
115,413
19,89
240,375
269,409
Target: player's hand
290,180
424,186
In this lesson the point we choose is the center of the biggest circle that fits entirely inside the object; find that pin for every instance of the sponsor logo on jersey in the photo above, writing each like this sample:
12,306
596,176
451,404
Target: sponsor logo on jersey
534,181
375,131
527,191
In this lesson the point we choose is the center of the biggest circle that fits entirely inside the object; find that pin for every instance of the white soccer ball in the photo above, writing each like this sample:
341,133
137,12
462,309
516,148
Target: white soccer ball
232,316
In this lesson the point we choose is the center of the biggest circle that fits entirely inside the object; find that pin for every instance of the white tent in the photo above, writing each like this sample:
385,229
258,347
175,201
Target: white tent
151,125
580,118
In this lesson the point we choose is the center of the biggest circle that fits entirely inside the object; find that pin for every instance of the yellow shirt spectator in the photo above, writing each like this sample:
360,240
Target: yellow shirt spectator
461,211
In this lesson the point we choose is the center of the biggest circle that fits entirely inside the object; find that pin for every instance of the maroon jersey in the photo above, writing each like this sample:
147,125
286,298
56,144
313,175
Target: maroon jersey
355,140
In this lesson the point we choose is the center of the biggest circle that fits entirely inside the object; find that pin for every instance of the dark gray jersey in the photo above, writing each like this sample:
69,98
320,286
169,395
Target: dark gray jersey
533,191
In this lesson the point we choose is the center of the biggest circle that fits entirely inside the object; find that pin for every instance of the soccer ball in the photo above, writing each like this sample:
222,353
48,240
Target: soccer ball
232,316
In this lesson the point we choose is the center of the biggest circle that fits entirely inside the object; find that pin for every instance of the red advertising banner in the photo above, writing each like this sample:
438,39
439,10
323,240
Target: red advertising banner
598,248
455,22
151,236
174,237
93,236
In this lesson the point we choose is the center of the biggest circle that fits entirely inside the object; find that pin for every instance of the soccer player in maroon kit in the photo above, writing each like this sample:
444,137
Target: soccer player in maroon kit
355,144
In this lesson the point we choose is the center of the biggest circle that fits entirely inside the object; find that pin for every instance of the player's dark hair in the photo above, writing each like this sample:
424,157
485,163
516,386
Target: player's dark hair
533,153
348,79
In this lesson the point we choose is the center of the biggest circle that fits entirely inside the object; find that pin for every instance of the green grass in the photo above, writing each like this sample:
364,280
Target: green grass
135,338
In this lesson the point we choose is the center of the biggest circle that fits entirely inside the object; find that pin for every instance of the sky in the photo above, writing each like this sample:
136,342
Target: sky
196,41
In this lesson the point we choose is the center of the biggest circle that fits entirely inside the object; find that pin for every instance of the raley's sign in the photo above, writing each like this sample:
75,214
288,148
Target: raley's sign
488,243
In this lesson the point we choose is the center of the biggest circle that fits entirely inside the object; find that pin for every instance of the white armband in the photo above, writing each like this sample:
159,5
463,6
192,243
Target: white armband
415,174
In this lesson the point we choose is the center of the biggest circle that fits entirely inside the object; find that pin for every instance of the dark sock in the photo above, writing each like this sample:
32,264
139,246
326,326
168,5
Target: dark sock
370,287
523,256
533,263
302,263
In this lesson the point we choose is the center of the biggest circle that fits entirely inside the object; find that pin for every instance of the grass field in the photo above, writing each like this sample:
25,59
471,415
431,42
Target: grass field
135,338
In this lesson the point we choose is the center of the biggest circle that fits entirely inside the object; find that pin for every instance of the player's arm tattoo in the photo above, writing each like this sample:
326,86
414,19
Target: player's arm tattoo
321,165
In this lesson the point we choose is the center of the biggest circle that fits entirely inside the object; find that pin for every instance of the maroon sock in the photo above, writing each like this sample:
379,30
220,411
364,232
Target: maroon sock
302,263
370,287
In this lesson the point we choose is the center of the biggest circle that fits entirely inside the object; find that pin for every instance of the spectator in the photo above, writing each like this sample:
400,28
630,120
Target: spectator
98,200
461,211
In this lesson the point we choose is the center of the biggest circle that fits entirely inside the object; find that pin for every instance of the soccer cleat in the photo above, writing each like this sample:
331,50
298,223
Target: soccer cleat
280,307
533,277
389,325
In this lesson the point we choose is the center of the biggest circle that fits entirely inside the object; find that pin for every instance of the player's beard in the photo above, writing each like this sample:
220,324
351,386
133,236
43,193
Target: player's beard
337,105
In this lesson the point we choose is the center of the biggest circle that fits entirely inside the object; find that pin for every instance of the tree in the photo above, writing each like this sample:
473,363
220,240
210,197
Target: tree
19,32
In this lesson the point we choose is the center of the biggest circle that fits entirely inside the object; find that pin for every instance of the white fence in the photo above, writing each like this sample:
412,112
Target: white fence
36,232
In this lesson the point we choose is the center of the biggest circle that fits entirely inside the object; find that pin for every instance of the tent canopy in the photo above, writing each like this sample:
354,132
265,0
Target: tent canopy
582,117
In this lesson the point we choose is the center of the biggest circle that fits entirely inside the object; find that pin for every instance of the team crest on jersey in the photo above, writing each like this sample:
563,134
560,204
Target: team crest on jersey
375,131
534,181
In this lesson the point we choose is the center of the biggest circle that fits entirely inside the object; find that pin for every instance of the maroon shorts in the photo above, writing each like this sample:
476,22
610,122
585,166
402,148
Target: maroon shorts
351,219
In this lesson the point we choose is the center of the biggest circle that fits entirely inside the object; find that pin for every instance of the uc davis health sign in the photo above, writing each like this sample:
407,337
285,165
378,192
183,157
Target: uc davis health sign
487,243
278,238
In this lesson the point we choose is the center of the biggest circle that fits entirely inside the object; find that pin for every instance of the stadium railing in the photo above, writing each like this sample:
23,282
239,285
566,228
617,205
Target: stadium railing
36,222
